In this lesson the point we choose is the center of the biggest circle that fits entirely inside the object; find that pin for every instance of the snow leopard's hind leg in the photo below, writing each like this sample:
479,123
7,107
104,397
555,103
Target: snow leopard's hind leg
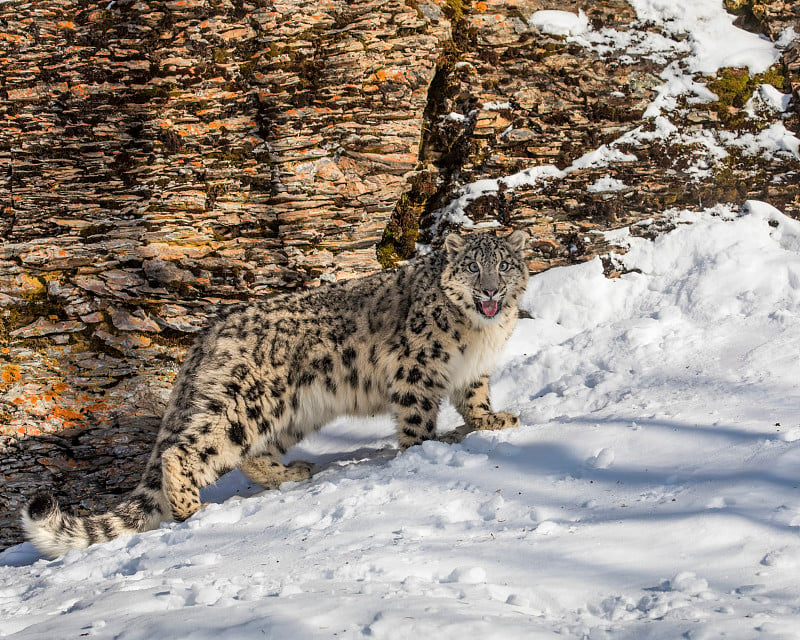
219,437
196,455
180,484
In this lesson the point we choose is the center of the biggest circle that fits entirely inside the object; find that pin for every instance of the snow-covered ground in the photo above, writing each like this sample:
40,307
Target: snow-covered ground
652,491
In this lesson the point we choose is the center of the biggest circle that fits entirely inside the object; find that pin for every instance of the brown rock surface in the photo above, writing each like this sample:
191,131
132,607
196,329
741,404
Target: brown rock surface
163,158
509,98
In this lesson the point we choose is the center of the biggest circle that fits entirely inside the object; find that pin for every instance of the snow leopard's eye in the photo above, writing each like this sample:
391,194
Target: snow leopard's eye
503,266
473,267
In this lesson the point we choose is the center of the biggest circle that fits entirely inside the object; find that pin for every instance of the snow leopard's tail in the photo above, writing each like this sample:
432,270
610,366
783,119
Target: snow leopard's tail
54,532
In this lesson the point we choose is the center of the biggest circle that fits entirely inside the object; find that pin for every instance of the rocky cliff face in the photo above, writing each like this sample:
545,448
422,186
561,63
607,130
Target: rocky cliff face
163,158
510,97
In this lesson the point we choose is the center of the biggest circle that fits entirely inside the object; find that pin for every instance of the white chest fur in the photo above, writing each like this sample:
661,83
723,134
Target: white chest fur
483,349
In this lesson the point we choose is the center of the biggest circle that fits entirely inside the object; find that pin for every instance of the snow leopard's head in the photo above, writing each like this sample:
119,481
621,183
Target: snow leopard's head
485,275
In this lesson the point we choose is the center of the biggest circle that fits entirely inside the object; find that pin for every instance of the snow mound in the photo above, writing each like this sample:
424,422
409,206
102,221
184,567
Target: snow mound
559,23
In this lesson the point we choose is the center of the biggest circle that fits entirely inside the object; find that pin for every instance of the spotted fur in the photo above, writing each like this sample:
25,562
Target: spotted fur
267,374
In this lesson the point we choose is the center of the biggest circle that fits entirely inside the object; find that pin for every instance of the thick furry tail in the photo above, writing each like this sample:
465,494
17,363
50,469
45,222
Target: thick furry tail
54,532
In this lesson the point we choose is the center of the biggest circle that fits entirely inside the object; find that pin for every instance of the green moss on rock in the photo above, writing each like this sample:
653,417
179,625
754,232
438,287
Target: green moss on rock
401,234
735,86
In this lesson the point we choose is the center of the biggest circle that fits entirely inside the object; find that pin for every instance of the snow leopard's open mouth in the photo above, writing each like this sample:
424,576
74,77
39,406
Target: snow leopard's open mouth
488,308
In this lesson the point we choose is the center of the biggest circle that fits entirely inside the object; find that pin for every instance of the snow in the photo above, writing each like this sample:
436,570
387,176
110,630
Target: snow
768,98
559,23
650,492
786,37
606,183
496,106
713,41
774,140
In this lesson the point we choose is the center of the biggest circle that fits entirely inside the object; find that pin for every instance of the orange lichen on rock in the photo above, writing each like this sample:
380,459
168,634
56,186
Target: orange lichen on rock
11,374
65,414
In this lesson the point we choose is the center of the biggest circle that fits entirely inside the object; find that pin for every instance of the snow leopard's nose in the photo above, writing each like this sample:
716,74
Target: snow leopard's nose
490,292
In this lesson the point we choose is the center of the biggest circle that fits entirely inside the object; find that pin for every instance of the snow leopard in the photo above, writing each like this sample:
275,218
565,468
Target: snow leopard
265,374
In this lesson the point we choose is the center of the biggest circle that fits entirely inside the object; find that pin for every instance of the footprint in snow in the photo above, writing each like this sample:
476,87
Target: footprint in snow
791,435
466,575
787,558
602,460
720,502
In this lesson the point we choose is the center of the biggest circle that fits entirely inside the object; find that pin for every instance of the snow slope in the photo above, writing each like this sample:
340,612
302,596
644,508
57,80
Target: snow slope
651,492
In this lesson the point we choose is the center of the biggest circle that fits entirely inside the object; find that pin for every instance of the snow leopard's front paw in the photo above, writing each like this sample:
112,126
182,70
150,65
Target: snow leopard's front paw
455,436
496,421
299,470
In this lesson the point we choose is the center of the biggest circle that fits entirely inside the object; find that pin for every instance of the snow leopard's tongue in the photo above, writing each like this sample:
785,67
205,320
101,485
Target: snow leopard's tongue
489,307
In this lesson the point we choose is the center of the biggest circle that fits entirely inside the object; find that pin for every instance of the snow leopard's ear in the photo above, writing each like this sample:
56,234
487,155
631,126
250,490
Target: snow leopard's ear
517,240
453,243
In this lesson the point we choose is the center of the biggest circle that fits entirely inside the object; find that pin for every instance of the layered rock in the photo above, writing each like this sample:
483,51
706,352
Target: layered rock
510,97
